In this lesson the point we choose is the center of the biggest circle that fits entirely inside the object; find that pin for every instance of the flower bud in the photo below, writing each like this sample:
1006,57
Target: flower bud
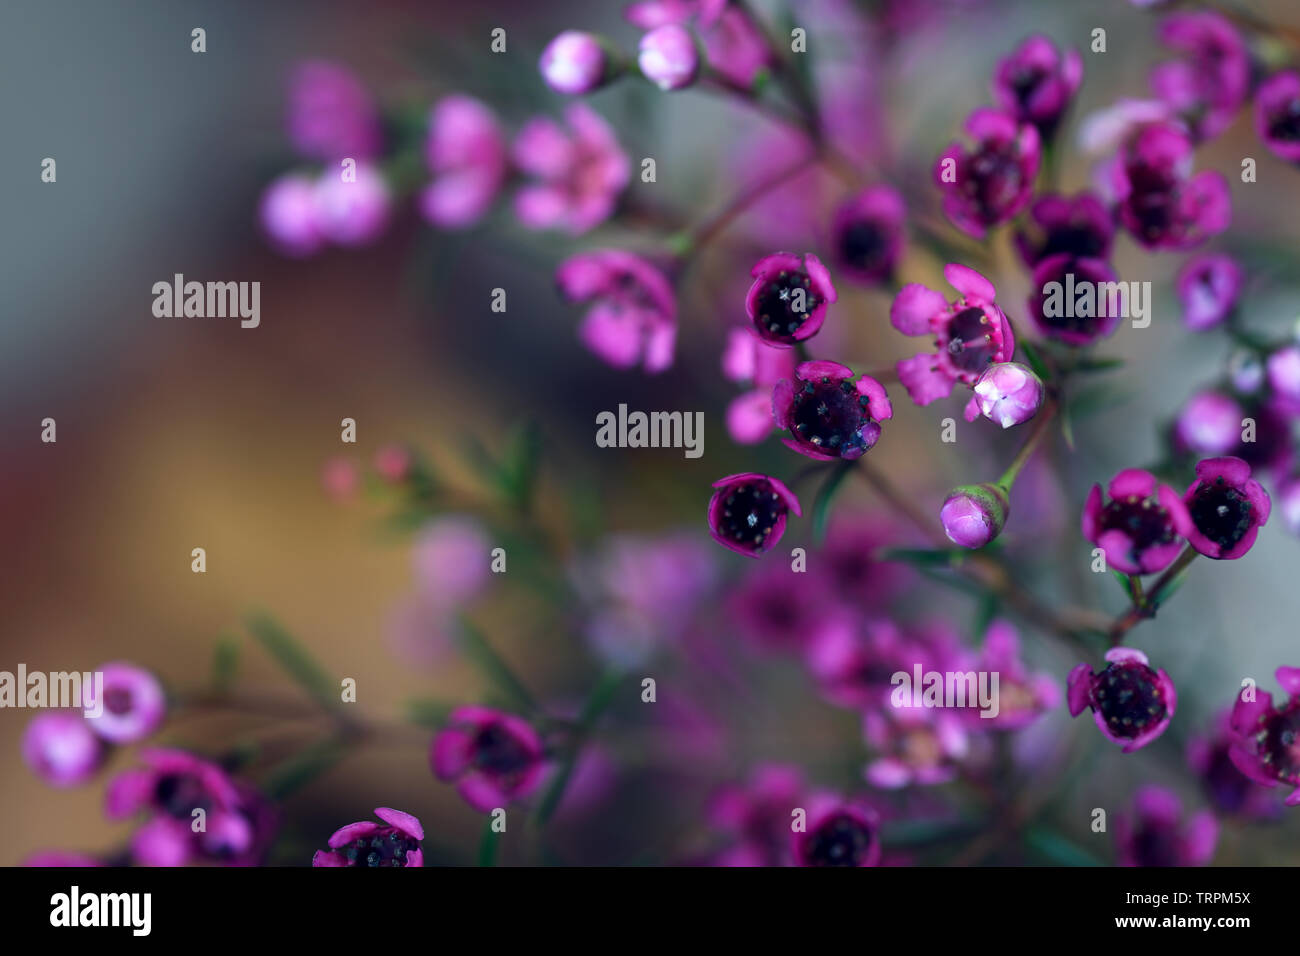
575,63
973,515
1009,394
668,57
1246,371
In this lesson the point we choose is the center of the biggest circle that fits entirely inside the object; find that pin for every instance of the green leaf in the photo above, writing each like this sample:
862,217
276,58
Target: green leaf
225,663
599,699
985,612
487,845
1057,850
296,660
520,464
923,557
1098,364
1035,359
302,768
494,667
825,496
427,712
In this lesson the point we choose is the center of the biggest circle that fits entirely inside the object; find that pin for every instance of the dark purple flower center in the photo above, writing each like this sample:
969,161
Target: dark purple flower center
1157,844
830,414
1279,744
784,304
1221,512
1143,521
117,700
179,795
970,340
1229,788
1284,122
385,847
1080,241
865,245
1128,697
1025,81
843,840
1272,435
499,752
749,513
992,180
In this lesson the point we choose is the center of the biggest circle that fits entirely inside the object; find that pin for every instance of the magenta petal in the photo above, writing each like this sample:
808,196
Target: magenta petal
1233,470
403,821
1133,482
1289,680
451,754
823,369
1079,689
1119,654
353,831
924,380
1251,766
913,308
481,793
969,283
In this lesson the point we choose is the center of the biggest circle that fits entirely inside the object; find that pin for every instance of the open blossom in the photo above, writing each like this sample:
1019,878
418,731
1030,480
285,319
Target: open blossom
466,154
1036,83
1266,747
989,184
1225,508
1081,228
331,116
133,704
854,661
747,512
1154,834
830,415
914,746
575,62
1022,696
867,234
1131,703
1228,789
633,315
788,299
1210,84
970,334
757,815
750,360
578,173
1208,287
61,749
837,832
1138,523
494,758
1160,201
1277,114
395,842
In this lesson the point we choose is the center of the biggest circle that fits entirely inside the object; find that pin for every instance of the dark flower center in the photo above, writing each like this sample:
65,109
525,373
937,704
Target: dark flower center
1025,81
865,245
1284,124
1279,744
386,847
1128,697
830,415
841,841
1143,522
970,340
749,514
785,303
992,181
497,751
1079,241
1156,844
179,795
117,700
1229,787
1221,512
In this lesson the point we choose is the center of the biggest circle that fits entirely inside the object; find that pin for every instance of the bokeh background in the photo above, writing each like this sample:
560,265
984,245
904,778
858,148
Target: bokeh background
183,433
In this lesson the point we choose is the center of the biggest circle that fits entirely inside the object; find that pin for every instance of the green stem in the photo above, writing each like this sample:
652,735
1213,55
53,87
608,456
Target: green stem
1027,449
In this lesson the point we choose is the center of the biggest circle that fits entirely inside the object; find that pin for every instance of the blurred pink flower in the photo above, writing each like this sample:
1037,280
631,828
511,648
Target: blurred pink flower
579,172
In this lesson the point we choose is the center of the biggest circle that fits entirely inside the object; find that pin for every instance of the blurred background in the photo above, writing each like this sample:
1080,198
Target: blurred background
182,433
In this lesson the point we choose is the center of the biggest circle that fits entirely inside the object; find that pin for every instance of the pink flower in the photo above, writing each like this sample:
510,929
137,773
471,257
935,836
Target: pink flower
395,842
633,318
989,184
494,758
1208,87
1131,703
1225,508
837,832
60,748
747,512
1154,835
830,415
466,153
133,704
868,235
451,557
579,173
288,214
1208,286
1036,83
1140,527
668,57
788,299
331,116
575,62
1264,746
1009,394
970,334
1277,114
352,212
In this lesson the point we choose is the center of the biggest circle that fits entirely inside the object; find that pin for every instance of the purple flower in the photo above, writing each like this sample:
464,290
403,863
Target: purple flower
451,560
1288,499
837,833
1208,87
758,815
1131,703
574,63
466,154
1228,789
633,318
991,183
61,749
1081,228
494,758
1036,83
788,299
331,116
1225,508
133,704
915,745
973,515
356,212
1277,114
289,216
778,610
1009,394
1022,696
1155,835
1160,202
395,842
848,561
579,173
734,45
1139,527
1209,424
1245,371
854,661
867,235
829,414
1265,746
747,512
1283,371
668,57
1054,301
970,334
1208,286
749,359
